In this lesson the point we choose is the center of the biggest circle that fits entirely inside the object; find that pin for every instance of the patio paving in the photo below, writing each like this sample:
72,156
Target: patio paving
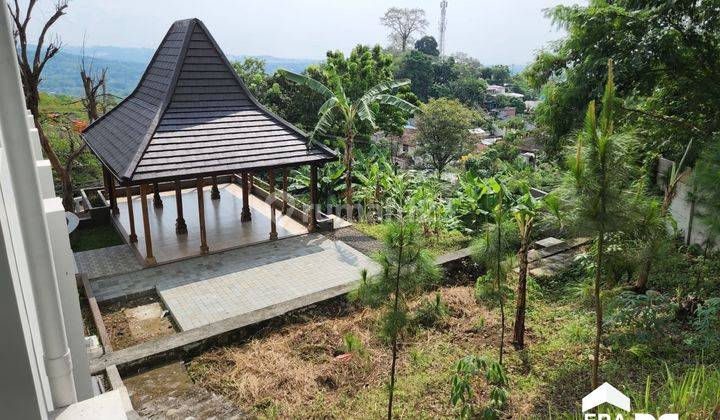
108,261
321,264
201,290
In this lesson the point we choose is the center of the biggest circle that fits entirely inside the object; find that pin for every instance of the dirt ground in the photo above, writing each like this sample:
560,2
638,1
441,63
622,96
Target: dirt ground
135,321
356,239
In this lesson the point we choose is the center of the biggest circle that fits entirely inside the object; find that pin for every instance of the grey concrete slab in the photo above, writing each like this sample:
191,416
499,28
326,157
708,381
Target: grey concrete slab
251,288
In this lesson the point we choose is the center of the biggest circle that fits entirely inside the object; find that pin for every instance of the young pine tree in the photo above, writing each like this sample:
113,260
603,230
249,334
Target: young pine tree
598,179
406,267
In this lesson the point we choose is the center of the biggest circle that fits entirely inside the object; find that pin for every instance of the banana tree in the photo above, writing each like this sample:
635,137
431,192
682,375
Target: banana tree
525,211
340,114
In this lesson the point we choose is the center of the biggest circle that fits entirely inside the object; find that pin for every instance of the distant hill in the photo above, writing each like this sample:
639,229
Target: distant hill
125,67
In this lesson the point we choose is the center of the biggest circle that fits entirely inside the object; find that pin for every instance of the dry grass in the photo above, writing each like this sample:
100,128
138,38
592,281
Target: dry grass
293,370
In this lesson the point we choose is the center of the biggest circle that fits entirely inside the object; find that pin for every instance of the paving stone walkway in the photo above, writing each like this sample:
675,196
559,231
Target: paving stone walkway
203,290
330,264
108,261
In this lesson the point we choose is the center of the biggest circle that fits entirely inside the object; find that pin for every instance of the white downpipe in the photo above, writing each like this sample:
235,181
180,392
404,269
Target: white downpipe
30,206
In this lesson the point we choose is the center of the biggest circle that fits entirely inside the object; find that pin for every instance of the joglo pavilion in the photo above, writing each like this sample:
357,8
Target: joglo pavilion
190,125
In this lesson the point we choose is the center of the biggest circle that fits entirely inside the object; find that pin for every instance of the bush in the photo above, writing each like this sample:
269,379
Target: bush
644,316
431,313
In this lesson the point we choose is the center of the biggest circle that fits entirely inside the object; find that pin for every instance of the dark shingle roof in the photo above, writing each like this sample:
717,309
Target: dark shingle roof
190,115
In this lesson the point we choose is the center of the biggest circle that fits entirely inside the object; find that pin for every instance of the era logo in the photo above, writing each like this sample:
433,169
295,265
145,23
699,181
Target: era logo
608,394
638,416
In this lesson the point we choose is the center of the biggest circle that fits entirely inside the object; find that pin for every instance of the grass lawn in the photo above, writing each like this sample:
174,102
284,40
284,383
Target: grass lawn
290,368
437,245
96,237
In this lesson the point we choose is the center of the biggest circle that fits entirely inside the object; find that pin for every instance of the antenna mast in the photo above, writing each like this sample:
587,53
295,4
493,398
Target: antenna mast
443,26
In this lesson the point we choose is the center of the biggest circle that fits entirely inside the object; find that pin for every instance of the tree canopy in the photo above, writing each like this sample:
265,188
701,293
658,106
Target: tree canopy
403,24
427,45
443,132
666,55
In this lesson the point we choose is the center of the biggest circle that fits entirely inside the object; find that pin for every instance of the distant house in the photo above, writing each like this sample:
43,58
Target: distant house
495,90
485,143
505,113
530,106
478,133
512,95
403,146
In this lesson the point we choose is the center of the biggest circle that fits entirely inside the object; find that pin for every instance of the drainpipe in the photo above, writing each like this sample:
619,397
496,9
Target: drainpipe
34,228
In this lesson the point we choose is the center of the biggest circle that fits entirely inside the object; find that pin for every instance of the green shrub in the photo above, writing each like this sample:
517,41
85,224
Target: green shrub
353,345
431,313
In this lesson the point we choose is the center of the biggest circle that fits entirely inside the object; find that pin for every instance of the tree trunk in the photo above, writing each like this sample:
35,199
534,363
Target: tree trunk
499,288
598,310
348,178
641,283
521,298
52,156
394,340
67,191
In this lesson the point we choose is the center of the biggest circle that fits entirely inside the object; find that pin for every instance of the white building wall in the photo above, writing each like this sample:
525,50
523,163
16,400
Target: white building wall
24,391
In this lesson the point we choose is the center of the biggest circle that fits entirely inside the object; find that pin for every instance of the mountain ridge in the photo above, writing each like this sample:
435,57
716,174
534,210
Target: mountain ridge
125,67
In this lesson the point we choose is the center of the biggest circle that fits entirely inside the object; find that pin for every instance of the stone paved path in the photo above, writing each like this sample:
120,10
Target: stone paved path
108,261
265,273
252,287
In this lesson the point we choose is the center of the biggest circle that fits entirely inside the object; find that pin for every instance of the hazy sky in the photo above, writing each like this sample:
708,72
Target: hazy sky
494,31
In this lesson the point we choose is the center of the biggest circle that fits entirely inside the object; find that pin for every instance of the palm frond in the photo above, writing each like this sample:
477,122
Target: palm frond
398,103
325,123
303,80
328,105
383,87
365,113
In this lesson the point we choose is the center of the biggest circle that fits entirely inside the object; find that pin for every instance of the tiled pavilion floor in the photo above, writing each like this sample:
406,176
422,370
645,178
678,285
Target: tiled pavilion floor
222,223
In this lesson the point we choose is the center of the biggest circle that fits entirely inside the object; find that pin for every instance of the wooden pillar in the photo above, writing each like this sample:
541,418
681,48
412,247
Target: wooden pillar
106,182
157,201
312,216
149,257
245,216
131,215
111,192
180,225
285,193
201,212
214,192
271,199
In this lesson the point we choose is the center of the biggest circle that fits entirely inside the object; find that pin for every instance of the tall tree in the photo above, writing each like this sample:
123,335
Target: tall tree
362,69
443,132
405,267
93,85
31,66
597,184
707,193
417,67
669,75
403,24
339,111
427,45
252,72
